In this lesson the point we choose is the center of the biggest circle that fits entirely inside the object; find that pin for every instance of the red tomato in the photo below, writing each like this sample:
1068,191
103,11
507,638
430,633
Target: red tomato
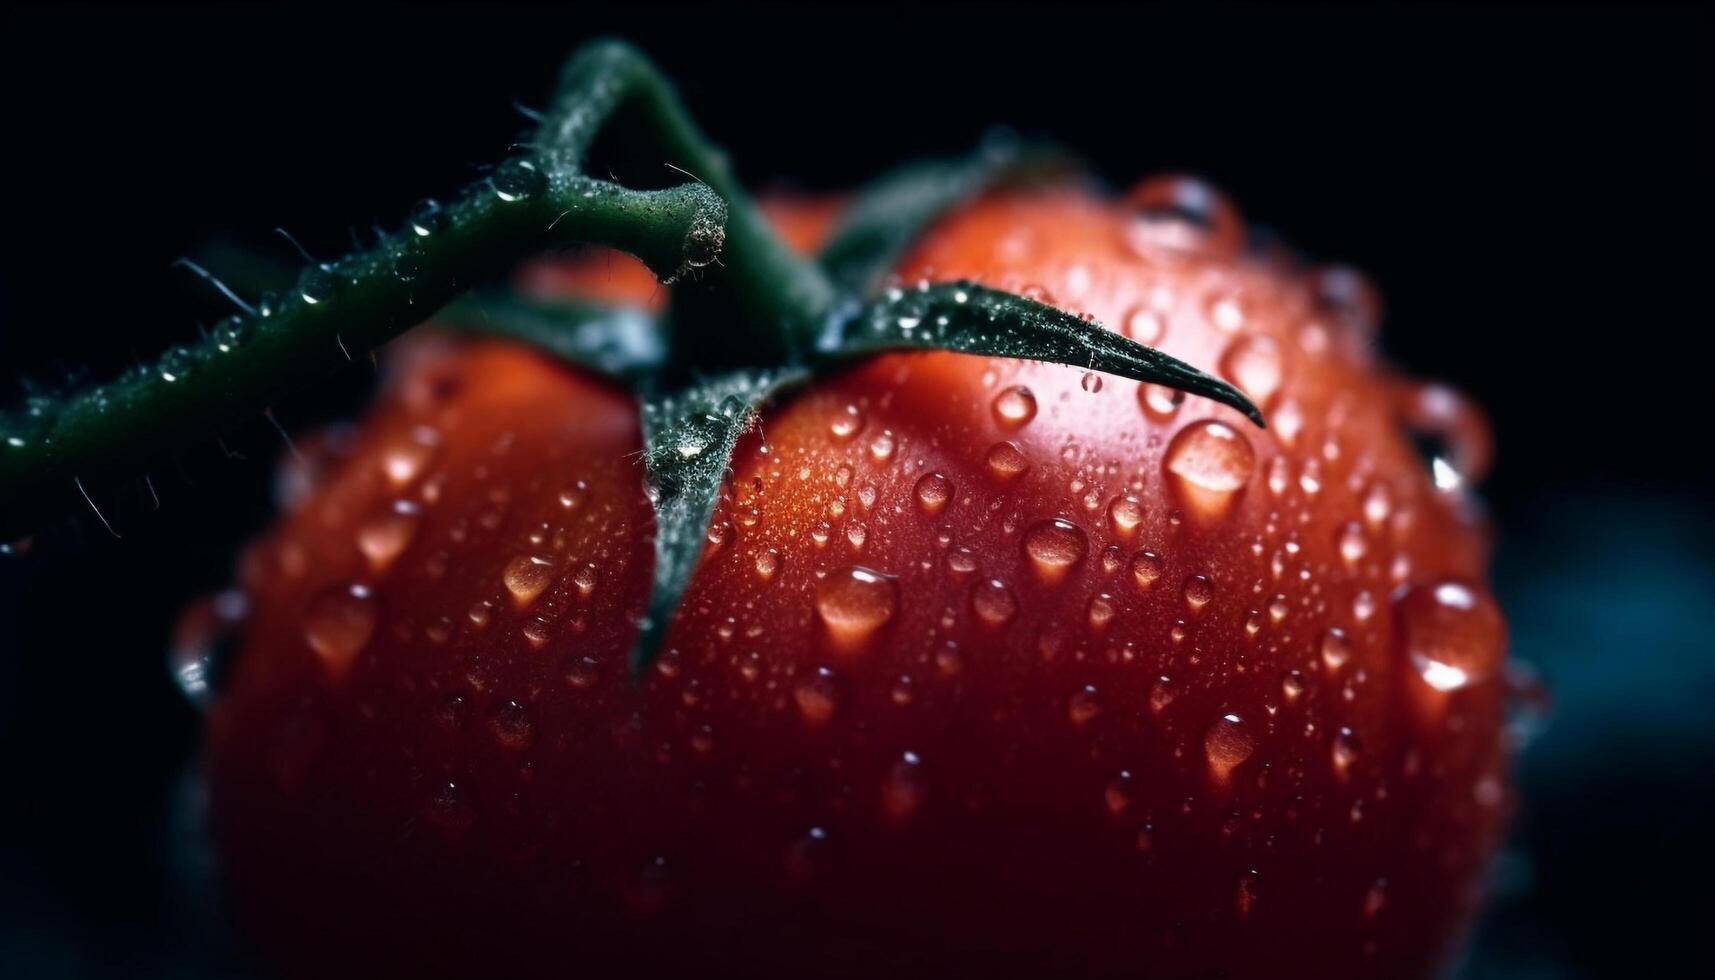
991,668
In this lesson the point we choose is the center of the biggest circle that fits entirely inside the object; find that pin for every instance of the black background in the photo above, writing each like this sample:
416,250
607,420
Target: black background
1528,186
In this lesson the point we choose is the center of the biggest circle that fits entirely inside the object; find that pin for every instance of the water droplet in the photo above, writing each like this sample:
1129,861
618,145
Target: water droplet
518,179
1161,694
1125,513
1378,504
1353,544
1145,325
993,602
573,497
509,724
1227,744
1256,364
583,672
1336,649
1083,706
1344,751
767,564
317,285
854,602
933,492
405,459
1159,401
427,217
1091,382
817,697
339,624
1118,794
881,447
1226,312
1101,611
1014,407
1210,464
1006,461
846,423
1246,893
385,536
905,789
1451,633
1054,547
1198,591
526,577
175,364
1375,898
585,580
204,641
1292,686
1177,215
1346,293
231,333
807,854
1146,567
408,262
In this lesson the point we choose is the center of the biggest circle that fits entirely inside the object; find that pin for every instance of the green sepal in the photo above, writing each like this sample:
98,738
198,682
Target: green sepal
971,319
689,435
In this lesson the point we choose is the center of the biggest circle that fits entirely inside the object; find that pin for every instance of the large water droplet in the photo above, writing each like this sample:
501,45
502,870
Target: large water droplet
518,179
933,492
993,602
817,697
1210,464
1226,744
846,423
1014,407
854,602
1257,365
339,623
1054,548
385,536
1177,215
1006,461
526,577
1451,633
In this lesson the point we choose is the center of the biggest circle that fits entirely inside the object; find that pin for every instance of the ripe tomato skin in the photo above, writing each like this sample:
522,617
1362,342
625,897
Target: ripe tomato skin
1106,699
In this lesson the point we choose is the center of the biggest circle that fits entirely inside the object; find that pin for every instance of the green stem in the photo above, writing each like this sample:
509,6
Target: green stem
337,312
779,297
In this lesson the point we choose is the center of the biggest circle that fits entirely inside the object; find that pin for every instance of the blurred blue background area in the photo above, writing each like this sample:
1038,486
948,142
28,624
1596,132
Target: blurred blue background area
1529,188
1609,595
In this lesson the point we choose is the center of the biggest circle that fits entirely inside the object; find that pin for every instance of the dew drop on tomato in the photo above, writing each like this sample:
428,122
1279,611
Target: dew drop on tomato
339,624
388,533
1054,547
1006,461
1256,364
1226,744
1014,407
526,577
1145,570
817,697
1449,632
933,491
993,602
1210,463
853,602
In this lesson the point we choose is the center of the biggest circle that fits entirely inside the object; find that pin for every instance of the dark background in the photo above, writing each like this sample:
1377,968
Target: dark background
1529,186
